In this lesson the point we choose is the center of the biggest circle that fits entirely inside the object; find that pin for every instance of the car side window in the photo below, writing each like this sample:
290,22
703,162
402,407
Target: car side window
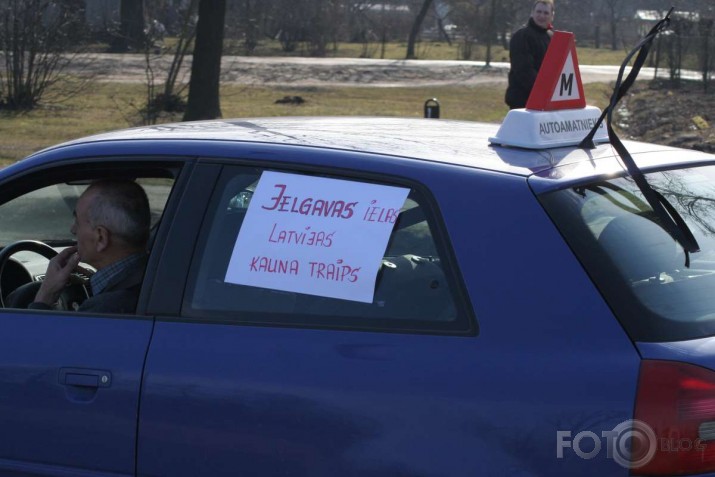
414,287
37,214
51,208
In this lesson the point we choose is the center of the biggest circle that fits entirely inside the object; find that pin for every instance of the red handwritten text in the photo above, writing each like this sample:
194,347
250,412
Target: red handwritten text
309,206
296,237
375,213
334,271
274,265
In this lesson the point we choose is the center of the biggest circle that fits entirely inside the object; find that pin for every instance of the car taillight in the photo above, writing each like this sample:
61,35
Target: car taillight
677,401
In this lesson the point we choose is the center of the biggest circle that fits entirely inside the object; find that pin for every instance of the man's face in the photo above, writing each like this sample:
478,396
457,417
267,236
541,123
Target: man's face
542,14
83,230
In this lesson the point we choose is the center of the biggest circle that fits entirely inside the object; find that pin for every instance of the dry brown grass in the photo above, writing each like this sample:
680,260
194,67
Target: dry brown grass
106,107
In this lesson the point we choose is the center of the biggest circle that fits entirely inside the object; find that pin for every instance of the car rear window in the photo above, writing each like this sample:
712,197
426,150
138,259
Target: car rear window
656,290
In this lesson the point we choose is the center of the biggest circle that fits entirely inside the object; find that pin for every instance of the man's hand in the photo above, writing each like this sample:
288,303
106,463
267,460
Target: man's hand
57,277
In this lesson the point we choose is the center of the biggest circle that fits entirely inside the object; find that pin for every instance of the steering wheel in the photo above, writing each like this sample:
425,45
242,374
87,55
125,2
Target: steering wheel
73,294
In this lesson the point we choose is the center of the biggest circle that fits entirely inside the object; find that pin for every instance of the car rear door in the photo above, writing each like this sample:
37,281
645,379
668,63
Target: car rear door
262,380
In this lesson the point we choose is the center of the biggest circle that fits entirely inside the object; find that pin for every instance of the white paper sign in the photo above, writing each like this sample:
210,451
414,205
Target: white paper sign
314,235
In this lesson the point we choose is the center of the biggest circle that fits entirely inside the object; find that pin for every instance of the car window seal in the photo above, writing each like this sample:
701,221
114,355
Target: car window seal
598,189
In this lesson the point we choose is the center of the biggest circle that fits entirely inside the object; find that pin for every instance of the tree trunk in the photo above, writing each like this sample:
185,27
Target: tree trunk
416,28
613,23
443,32
706,61
614,34
490,32
184,41
250,30
131,29
203,100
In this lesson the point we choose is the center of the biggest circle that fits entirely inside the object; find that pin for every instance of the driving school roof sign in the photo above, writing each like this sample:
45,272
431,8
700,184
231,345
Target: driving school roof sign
558,84
556,113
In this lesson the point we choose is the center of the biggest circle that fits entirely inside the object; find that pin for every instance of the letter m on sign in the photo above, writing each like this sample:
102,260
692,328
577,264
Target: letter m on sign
566,85
554,87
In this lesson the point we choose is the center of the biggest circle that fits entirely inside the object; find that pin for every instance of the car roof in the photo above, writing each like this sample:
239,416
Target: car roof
463,143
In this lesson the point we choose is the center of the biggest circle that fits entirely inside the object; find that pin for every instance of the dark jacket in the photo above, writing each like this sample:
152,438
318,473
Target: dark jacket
527,49
119,296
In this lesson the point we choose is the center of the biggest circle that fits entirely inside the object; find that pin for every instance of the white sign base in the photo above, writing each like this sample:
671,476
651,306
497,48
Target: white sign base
546,129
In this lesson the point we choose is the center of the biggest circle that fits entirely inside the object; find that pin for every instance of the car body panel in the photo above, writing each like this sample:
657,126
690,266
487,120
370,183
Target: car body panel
297,401
698,351
210,397
409,138
51,427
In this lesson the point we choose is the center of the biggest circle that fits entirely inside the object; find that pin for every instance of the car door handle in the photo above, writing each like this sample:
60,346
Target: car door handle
86,378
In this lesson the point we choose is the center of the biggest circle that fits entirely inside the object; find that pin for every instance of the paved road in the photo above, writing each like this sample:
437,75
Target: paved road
280,71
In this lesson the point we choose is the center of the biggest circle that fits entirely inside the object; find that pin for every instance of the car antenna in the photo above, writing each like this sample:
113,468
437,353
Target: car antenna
668,216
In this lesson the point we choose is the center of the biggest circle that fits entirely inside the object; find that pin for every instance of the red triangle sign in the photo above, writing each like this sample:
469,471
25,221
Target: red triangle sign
558,84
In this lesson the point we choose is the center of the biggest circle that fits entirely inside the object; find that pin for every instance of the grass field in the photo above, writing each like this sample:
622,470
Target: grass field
111,106
107,106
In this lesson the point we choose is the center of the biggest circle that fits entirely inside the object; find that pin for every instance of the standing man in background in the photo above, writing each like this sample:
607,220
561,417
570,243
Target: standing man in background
527,49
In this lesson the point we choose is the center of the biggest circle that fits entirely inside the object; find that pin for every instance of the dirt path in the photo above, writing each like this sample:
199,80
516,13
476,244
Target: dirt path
272,71
664,117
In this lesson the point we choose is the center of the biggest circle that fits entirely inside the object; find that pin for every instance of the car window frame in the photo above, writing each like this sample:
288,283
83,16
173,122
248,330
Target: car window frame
464,325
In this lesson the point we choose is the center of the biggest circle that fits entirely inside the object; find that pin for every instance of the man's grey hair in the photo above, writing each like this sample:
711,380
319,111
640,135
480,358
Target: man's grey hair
121,205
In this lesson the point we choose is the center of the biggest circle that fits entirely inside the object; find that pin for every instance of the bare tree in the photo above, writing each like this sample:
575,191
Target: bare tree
379,22
184,42
490,30
206,65
131,27
465,14
613,8
250,24
36,41
416,28
318,33
170,100
509,17
483,21
288,23
363,28
676,46
706,50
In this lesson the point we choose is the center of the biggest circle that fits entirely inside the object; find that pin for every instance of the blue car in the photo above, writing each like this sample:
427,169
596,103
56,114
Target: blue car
368,297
